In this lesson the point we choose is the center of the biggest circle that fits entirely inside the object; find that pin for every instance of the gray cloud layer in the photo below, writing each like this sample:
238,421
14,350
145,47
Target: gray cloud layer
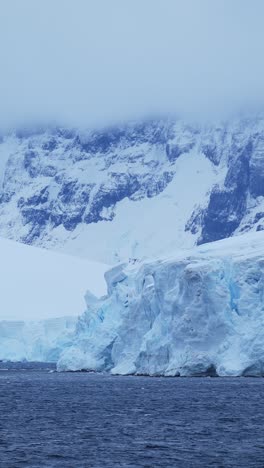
88,61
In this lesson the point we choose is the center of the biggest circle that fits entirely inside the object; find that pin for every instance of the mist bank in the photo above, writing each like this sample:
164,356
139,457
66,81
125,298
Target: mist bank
88,64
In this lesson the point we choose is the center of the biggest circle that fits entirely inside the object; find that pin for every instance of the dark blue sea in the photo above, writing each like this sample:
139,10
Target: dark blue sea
79,420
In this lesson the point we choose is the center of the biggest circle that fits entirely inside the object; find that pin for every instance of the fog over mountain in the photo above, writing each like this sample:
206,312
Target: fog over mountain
85,62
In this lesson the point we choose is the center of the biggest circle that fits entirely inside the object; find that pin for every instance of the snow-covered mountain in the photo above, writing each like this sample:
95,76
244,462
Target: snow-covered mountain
134,190
199,312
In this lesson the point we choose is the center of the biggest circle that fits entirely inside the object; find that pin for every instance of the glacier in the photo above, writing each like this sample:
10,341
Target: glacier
198,312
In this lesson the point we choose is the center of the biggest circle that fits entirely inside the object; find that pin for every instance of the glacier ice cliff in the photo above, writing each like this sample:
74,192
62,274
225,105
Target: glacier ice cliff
188,183
42,340
198,312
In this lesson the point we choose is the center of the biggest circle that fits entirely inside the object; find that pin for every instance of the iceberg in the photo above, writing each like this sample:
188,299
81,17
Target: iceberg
199,312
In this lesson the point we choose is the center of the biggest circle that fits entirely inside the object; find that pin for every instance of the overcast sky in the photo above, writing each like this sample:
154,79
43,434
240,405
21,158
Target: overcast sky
89,61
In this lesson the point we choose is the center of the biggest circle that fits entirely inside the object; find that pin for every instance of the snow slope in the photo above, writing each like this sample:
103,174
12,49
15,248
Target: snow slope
143,227
40,284
198,312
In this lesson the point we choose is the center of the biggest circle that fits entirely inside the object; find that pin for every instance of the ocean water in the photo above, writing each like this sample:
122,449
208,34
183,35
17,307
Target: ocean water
77,420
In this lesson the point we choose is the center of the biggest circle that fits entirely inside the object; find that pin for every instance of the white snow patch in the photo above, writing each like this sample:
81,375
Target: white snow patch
150,225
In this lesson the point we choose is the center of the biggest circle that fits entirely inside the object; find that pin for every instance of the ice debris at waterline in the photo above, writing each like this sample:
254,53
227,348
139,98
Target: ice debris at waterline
199,312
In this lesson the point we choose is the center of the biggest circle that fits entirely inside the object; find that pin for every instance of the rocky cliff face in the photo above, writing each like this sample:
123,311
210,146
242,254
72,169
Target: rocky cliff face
139,189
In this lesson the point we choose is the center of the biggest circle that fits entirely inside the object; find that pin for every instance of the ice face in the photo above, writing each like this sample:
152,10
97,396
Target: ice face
199,312
36,340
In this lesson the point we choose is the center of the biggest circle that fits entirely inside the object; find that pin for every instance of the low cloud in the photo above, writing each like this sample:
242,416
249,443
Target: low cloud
85,62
